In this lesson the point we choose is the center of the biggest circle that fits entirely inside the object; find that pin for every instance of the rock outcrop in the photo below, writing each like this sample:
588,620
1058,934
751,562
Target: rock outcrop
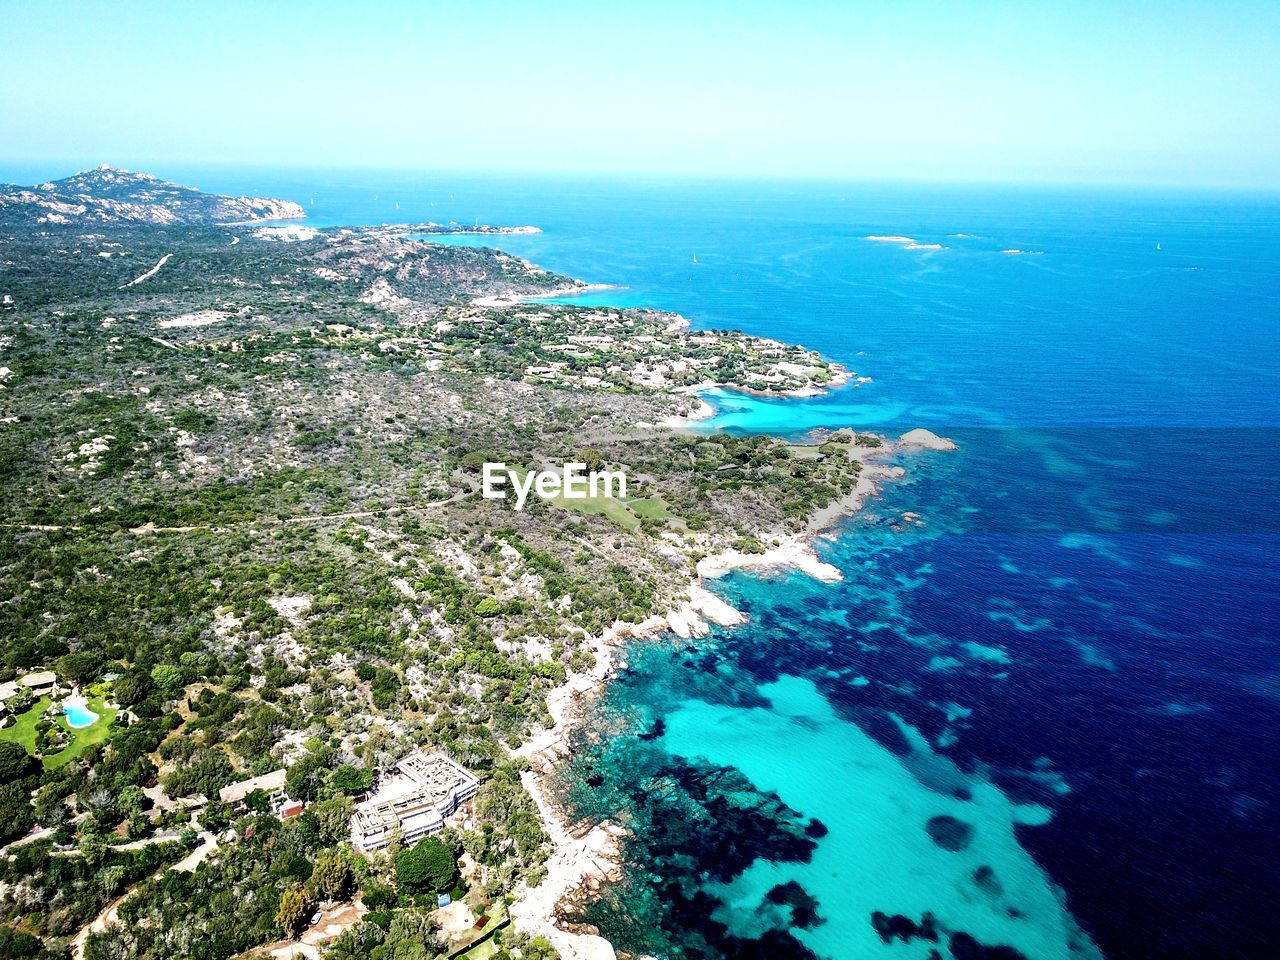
920,437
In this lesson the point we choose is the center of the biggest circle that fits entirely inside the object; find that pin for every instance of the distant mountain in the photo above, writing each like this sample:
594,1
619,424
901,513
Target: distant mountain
108,194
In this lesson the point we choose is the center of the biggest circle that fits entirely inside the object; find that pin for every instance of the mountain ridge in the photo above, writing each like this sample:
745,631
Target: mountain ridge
107,194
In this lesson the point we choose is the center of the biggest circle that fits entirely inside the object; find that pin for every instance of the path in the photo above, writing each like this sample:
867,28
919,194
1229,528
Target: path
333,922
149,274
111,913
150,528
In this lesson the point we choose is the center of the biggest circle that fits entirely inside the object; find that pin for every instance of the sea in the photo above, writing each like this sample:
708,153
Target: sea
1039,716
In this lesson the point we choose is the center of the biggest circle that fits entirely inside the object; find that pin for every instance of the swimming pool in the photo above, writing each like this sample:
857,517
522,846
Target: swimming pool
78,714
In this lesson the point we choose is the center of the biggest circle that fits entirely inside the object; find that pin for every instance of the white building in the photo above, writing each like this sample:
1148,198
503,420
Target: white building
412,802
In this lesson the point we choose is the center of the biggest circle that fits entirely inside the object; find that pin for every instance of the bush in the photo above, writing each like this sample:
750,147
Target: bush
166,676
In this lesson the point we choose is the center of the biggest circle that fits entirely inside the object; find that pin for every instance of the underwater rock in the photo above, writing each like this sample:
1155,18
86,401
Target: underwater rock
898,927
965,947
987,882
949,833
815,829
804,908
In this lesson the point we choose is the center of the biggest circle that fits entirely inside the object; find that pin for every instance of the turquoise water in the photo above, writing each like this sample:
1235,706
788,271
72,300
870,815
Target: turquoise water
878,854
79,715
1042,723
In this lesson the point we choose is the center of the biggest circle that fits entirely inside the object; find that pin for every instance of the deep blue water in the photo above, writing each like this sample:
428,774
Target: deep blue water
1087,617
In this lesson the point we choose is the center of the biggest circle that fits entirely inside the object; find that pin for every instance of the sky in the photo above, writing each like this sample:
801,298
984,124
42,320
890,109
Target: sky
1073,91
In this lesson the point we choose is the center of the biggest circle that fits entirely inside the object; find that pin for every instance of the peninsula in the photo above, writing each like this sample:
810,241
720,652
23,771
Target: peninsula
241,527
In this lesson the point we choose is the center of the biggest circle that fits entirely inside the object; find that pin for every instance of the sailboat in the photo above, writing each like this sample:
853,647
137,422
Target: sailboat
1157,244
695,258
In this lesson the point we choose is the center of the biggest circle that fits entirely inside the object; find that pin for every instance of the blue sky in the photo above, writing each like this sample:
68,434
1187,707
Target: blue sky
1146,92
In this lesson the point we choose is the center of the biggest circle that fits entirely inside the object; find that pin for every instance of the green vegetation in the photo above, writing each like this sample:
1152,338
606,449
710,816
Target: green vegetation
264,526
427,867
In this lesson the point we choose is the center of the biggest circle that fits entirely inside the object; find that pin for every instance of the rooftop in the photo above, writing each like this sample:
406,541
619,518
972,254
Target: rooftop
423,790
268,783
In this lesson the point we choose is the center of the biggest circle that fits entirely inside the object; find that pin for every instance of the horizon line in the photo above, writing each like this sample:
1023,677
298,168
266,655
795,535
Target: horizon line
156,168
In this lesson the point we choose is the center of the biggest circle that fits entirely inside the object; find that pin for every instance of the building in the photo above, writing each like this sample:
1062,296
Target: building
8,691
41,682
412,802
272,784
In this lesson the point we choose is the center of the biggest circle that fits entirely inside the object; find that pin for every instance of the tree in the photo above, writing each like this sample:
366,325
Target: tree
131,688
331,877
16,815
351,779
166,676
16,944
15,762
428,867
78,667
333,819
292,912
305,777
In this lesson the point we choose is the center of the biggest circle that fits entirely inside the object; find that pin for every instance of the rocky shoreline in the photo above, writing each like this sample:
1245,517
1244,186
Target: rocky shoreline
586,860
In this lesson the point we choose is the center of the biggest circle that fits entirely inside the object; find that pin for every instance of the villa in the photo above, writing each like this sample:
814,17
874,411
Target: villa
272,784
40,682
412,802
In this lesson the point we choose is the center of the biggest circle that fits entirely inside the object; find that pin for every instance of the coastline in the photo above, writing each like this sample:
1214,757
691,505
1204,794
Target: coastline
586,860
704,410
512,299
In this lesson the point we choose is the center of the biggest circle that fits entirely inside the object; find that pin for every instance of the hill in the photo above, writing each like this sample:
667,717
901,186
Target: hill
107,194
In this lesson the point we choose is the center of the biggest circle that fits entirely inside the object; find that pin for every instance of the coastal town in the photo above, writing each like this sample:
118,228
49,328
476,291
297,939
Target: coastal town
266,632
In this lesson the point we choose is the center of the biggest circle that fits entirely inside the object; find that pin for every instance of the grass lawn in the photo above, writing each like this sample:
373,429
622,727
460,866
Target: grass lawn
653,507
23,728
483,952
625,513
485,948
615,510
23,731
